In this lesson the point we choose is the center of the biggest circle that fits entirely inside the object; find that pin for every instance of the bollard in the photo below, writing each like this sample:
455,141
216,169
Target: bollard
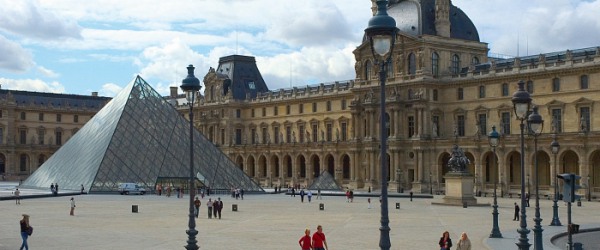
234,207
579,203
321,206
397,205
134,208
577,246
464,205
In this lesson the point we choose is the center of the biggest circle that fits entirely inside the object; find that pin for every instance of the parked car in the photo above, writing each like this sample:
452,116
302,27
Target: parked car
131,188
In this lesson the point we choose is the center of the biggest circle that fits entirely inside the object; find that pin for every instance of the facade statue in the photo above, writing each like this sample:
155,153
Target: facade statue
434,131
294,136
458,161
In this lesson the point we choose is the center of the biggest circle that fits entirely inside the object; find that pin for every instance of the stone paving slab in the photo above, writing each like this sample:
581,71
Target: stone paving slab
268,221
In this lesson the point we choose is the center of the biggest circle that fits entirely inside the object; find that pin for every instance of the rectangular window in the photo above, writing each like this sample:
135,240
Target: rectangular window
411,126
314,107
222,136
328,105
288,133
276,134
23,136
238,113
505,123
529,86
315,133
481,91
41,117
1,136
58,136
264,112
264,135
301,132
253,136
557,117
460,123
301,108
344,135
555,84
584,84
343,104
252,113
435,94
329,135
585,119
58,118
23,116
41,134
238,136
75,118
459,93
275,111
482,124
288,109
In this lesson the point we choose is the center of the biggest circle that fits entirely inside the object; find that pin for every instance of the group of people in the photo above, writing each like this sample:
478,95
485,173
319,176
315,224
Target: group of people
214,208
316,242
463,243
307,193
237,193
54,188
349,195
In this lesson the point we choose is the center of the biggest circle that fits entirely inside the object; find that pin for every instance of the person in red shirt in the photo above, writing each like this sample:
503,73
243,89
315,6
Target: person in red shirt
304,242
318,239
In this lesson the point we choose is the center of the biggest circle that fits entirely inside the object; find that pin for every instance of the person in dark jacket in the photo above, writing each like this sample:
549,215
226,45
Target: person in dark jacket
445,241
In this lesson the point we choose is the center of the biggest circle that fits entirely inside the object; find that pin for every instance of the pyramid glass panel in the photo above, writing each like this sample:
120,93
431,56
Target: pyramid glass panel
137,137
325,182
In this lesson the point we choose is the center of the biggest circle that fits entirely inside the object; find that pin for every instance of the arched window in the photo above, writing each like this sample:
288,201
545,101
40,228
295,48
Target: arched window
435,64
455,64
412,67
475,60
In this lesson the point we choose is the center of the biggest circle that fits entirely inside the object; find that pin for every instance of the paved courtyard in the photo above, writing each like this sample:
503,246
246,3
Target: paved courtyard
266,221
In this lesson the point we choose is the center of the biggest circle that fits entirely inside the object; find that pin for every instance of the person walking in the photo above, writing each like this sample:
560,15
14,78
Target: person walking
56,189
302,195
309,195
72,213
305,242
445,241
215,208
463,243
318,239
17,197
197,206
517,210
219,207
318,194
527,199
293,194
82,189
25,231
209,204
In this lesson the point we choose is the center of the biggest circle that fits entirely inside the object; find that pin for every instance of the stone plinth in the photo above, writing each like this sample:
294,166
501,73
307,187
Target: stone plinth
459,190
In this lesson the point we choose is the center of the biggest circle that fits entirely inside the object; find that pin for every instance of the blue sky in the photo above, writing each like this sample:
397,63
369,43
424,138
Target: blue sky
79,47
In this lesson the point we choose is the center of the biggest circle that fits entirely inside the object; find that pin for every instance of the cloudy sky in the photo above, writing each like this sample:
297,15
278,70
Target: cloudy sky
78,47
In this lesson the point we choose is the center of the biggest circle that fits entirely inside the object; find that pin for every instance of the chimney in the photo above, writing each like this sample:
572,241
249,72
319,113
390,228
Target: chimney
442,17
95,94
173,92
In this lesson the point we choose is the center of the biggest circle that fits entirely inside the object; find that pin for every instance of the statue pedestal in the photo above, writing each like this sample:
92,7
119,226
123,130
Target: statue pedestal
459,190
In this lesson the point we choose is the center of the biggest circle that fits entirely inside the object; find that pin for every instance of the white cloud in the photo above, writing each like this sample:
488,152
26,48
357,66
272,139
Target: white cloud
110,89
36,85
27,19
47,72
13,57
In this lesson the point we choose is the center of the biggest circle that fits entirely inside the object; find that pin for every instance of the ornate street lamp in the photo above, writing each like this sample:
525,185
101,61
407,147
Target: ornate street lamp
381,33
555,148
521,101
191,85
589,196
494,139
536,125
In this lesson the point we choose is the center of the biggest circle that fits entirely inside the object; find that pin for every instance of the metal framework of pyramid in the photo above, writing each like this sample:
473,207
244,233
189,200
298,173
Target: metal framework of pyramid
138,137
325,182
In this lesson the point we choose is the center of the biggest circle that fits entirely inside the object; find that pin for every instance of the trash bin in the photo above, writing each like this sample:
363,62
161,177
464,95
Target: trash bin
579,203
577,246
321,206
464,205
134,208
234,207
397,205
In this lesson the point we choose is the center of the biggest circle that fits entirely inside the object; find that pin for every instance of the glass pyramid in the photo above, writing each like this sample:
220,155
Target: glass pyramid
137,137
324,182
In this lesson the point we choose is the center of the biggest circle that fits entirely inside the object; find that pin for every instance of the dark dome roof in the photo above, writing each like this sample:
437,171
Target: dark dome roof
417,17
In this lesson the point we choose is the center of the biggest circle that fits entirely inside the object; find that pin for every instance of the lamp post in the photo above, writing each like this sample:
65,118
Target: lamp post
536,125
494,138
381,33
430,183
555,220
521,101
191,85
589,196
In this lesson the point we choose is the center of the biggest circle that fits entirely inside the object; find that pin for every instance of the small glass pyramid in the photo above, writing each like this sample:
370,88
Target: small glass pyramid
324,182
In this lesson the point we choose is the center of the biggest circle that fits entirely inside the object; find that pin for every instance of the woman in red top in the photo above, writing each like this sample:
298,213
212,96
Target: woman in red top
445,241
318,239
304,242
